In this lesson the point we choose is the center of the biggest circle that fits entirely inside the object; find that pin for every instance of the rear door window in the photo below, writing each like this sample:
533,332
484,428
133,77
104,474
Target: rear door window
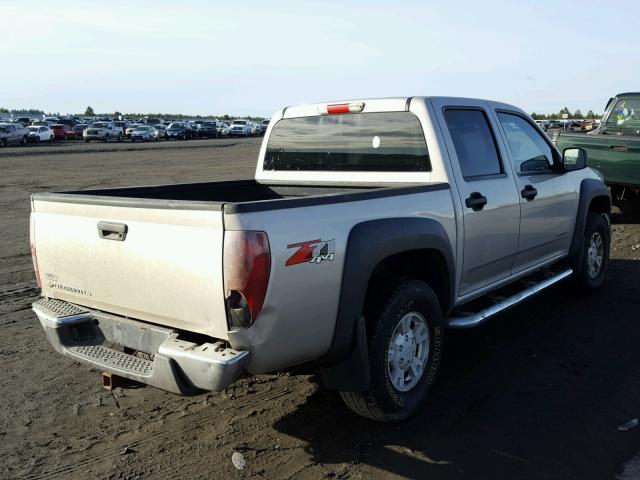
474,143
365,142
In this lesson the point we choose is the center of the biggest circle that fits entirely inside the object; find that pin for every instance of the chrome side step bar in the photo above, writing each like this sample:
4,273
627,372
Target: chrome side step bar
475,319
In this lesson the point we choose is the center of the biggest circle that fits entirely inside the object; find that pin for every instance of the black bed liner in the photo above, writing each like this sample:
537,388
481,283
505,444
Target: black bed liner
237,196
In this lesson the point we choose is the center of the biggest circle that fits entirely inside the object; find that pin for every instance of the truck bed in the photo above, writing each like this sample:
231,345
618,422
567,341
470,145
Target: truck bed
200,196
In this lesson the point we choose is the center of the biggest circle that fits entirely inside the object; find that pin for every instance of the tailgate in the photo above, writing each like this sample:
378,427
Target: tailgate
167,269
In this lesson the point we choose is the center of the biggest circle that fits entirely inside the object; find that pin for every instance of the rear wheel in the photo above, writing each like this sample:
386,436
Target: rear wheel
405,338
24,140
107,138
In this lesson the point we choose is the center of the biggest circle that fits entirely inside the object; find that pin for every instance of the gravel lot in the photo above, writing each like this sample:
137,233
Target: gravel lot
536,393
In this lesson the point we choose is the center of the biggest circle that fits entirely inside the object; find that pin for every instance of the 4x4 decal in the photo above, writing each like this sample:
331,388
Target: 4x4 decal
312,251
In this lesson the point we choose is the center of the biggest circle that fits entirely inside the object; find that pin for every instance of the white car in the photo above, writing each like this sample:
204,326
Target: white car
39,133
144,133
105,131
240,128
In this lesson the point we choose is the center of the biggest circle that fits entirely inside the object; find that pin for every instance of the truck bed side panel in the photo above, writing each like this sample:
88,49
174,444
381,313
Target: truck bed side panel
301,305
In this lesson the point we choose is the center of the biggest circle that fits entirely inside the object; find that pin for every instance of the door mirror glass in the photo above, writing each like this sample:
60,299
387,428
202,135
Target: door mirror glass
574,159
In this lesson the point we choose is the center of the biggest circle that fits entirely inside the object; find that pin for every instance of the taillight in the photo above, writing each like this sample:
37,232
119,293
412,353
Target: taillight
338,108
34,257
246,267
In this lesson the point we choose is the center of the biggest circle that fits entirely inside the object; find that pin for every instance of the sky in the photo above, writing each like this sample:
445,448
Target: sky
255,57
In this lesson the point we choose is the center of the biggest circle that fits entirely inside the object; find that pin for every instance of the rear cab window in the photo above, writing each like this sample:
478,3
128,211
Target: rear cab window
355,142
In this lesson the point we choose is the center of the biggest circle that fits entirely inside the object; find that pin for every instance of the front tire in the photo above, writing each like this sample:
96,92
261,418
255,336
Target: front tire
406,340
591,267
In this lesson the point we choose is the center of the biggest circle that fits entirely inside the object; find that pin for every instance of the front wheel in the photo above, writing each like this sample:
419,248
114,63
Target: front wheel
107,138
591,265
406,340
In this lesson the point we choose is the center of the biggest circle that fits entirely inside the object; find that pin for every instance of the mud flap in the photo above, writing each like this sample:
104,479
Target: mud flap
351,374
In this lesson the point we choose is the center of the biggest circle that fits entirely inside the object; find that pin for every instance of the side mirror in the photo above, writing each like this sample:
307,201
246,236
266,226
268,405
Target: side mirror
574,159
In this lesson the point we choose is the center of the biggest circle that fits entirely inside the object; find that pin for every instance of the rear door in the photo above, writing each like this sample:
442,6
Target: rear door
153,263
548,199
491,212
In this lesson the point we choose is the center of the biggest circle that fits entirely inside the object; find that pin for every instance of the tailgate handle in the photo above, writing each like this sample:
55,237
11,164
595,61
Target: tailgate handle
112,231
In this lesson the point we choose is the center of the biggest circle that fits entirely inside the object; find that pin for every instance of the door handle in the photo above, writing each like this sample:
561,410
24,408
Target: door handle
618,148
476,201
112,231
529,192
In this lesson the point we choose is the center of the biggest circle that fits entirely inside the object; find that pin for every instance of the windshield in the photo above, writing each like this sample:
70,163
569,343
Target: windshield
99,125
377,142
239,122
3,128
33,129
176,126
144,129
625,114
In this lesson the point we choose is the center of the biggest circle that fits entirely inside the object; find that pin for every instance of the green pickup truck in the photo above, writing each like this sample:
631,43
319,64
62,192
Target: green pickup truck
614,147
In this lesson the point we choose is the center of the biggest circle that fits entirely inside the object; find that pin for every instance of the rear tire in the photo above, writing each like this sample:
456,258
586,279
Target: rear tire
406,340
3,142
24,140
594,254
107,138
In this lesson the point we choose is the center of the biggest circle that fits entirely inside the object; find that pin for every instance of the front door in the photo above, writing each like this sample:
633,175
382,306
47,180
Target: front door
491,212
548,198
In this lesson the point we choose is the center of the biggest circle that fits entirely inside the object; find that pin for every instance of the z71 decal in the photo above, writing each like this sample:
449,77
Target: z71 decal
312,251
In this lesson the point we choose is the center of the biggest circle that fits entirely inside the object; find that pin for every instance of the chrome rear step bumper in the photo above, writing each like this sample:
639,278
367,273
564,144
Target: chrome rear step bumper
478,318
172,364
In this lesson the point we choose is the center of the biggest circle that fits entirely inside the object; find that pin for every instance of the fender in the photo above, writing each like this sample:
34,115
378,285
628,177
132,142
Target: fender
590,188
346,364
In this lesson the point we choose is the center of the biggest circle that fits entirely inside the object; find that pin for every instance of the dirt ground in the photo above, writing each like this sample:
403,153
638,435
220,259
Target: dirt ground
536,393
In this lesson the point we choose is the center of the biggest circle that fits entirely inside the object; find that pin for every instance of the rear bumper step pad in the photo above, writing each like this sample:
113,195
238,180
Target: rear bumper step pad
176,365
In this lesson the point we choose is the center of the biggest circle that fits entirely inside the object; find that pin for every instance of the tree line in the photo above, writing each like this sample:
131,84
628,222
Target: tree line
565,111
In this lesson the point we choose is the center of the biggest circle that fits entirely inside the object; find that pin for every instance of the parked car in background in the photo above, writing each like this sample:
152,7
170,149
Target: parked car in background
152,121
123,125
105,131
223,129
39,133
61,131
208,130
129,130
78,129
144,133
614,146
42,123
263,126
12,134
26,121
587,125
178,131
240,128
161,131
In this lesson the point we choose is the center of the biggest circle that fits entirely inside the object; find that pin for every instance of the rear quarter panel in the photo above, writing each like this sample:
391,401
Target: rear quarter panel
299,314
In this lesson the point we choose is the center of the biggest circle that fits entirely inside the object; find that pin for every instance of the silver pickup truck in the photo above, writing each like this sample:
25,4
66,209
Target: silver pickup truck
370,227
